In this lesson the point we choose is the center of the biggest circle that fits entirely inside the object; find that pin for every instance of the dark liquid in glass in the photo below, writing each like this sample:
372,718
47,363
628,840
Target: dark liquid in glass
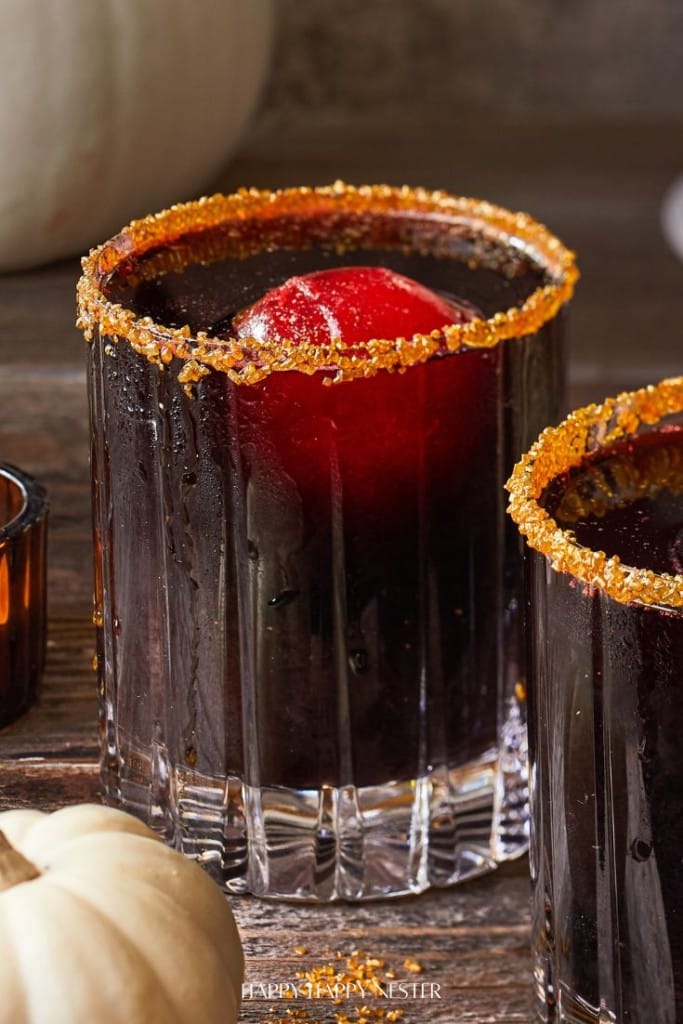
367,514
606,739
309,590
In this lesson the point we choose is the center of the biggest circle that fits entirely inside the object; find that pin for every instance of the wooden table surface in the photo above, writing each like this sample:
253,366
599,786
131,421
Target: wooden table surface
597,185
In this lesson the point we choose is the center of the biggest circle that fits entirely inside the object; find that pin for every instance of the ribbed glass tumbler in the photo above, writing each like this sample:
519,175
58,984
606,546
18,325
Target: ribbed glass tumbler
600,500
306,593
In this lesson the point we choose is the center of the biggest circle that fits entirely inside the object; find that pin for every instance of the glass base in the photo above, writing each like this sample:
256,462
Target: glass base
333,843
560,1004
569,1008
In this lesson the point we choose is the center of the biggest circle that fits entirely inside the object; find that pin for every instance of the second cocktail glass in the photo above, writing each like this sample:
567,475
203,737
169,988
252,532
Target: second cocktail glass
306,591
600,501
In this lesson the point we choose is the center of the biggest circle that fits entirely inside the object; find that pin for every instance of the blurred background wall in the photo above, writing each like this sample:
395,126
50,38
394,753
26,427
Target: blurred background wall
365,57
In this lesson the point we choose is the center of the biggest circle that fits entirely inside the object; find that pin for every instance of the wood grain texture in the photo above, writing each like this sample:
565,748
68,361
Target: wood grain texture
598,185
44,429
375,58
472,944
63,723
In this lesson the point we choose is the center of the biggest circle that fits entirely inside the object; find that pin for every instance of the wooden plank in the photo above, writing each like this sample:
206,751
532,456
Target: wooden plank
47,785
63,723
471,942
44,429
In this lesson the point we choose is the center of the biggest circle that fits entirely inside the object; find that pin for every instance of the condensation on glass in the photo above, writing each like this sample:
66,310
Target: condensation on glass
306,589
605,709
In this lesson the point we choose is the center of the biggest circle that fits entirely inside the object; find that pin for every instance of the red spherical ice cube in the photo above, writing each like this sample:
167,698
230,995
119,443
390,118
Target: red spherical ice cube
382,429
380,432
353,304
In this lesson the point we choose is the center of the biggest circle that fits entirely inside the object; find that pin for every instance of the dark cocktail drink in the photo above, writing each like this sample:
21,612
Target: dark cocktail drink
309,644
606,711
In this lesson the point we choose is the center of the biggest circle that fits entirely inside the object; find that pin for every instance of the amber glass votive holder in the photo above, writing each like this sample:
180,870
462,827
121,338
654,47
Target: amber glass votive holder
23,520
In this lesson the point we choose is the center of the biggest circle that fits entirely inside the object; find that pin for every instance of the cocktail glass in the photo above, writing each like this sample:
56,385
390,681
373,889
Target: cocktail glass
600,501
306,592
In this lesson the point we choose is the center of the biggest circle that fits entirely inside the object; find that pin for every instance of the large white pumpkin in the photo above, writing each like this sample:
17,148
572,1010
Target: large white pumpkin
110,109
100,922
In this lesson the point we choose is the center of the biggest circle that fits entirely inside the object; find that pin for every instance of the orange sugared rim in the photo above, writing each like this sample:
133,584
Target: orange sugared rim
242,215
560,448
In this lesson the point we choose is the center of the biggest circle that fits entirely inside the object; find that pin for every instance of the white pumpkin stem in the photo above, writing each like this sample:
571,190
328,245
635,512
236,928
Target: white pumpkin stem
14,867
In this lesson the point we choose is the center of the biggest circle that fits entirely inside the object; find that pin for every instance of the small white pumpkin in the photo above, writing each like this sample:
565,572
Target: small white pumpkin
100,922
113,108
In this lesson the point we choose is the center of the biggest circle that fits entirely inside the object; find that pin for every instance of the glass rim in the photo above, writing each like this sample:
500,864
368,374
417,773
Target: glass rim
34,502
559,449
247,360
